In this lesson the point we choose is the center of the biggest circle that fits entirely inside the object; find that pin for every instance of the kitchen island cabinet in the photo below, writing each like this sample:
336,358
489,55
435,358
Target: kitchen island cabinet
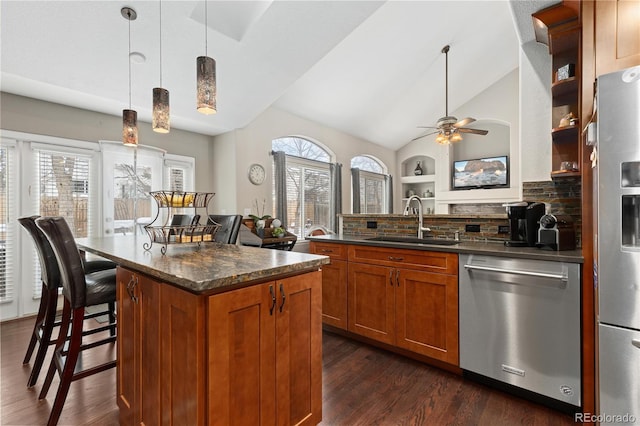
267,337
210,334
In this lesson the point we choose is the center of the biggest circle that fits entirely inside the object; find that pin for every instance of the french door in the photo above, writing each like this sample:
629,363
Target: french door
100,189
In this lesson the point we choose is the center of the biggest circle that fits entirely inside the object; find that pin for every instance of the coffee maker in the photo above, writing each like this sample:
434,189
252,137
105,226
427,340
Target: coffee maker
523,223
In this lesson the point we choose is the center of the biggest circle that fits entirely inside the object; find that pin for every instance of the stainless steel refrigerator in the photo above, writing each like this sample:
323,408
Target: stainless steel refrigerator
617,244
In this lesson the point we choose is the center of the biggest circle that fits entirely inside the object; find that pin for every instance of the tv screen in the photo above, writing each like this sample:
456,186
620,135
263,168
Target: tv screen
490,172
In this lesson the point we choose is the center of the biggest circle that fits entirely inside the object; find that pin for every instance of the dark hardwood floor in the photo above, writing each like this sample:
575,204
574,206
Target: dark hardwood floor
362,385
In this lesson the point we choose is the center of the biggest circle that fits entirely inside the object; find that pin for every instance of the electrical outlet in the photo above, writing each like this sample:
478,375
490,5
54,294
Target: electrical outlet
503,229
472,228
372,224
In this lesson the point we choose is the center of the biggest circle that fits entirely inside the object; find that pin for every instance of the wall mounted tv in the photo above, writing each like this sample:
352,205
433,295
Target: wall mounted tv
492,172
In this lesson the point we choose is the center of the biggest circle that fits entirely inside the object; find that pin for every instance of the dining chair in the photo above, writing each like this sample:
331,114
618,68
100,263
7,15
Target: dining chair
80,290
229,227
45,320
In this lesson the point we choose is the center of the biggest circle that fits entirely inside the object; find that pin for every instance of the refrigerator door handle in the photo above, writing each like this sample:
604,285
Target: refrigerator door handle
636,343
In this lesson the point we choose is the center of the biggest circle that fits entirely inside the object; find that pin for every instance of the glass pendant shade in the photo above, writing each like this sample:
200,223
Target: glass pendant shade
161,120
129,127
442,139
456,137
206,79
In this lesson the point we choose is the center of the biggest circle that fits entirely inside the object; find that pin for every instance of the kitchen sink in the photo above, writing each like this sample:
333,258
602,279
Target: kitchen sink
414,240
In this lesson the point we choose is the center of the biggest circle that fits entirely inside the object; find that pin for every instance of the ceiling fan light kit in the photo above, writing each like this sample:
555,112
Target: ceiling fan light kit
448,127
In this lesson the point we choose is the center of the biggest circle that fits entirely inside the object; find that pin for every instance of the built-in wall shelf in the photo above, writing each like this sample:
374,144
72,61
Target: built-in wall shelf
418,179
564,134
422,198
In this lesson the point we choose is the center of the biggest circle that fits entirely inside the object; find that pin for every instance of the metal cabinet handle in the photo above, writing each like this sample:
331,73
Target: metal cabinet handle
391,277
326,251
636,343
131,285
518,272
273,300
398,277
397,259
283,296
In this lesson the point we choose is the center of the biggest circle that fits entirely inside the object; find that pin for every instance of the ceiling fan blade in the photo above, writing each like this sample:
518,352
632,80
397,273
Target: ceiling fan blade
474,131
423,136
427,127
464,122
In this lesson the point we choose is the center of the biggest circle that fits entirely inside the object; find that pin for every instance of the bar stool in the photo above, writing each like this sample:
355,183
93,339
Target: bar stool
229,227
50,276
80,290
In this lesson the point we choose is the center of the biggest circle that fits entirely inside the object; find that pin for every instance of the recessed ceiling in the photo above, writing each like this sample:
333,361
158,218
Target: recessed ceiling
371,69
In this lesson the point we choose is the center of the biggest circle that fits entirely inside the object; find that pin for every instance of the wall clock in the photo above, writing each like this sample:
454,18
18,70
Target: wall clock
256,174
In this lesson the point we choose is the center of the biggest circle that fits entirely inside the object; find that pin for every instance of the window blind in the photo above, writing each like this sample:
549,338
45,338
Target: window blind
8,201
64,186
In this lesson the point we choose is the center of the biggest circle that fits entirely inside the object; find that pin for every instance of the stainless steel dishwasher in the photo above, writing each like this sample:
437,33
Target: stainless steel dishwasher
520,324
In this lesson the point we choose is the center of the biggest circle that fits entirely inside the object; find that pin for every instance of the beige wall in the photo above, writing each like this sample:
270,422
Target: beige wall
253,145
29,115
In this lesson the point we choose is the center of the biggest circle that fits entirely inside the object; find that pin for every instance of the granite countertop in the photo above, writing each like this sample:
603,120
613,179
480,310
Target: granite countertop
205,269
471,247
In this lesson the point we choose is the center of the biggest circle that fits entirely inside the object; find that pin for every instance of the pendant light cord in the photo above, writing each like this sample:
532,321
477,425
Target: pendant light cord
129,57
160,43
205,29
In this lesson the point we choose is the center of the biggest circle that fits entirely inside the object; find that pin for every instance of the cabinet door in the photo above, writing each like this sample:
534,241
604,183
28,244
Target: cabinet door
371,292
242,350
149,332
182,351
127,372
299,350
334,294
617,35
427,314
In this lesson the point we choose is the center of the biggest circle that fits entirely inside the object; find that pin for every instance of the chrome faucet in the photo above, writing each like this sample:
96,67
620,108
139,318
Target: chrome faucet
421,228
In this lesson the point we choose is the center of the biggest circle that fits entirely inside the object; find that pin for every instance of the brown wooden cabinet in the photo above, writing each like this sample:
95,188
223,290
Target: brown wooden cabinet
558,27
334,283
405,298
268,354
247,354
138,308
617,35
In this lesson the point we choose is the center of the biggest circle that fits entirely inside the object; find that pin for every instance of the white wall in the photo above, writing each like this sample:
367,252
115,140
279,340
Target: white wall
45,118
535,111
253,145
497,104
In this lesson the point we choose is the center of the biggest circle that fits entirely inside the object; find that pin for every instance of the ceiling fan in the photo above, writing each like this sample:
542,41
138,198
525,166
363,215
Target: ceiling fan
449,129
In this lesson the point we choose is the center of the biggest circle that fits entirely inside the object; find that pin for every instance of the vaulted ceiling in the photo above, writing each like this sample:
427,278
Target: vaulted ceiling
369,68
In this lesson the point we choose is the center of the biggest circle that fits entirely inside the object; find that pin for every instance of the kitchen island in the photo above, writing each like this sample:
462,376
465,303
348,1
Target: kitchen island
216,334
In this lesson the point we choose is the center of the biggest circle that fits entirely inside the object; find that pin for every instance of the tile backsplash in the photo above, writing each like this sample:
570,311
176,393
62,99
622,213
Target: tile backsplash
561,196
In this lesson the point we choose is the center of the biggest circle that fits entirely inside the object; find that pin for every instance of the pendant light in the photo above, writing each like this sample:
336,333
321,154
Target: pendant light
206,77
161,117
129,116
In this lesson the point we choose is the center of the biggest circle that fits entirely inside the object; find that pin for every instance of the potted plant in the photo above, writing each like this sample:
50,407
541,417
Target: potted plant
278,232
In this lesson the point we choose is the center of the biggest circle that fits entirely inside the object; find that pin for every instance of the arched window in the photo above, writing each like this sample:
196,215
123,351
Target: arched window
370,185
306,180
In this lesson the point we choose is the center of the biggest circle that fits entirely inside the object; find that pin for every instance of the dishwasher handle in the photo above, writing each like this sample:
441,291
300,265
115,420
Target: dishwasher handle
562,277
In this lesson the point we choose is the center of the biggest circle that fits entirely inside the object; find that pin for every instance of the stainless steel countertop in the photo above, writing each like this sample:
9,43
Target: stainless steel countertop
205,269
488,248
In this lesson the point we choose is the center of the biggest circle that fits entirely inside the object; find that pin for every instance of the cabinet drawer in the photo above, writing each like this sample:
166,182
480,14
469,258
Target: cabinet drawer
333,250
444,263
